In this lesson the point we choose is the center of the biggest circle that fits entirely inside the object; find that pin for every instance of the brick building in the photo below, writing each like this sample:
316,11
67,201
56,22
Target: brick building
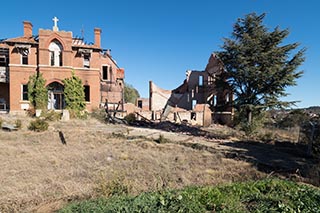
56,54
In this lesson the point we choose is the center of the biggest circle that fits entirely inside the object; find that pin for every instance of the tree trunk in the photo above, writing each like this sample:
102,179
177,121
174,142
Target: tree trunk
249,116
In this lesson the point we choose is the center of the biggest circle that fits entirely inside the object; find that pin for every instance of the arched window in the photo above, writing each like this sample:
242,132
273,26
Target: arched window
55,49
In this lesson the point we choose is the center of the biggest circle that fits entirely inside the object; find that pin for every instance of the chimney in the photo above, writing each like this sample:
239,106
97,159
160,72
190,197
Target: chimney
97,37
27,29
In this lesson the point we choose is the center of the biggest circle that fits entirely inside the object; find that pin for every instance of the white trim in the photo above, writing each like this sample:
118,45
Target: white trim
22,65
86,69
69,67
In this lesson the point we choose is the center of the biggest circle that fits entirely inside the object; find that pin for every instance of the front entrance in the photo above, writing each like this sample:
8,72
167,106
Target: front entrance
55,96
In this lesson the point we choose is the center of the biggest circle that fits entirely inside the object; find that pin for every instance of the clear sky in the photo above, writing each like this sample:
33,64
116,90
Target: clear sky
159,40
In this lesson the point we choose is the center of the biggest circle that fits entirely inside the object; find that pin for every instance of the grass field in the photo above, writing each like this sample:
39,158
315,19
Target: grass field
269,195
41,174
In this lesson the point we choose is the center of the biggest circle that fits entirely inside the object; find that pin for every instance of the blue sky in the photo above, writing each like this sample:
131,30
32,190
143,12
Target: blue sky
160,40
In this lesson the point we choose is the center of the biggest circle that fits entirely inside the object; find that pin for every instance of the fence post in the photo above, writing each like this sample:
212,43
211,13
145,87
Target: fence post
311,139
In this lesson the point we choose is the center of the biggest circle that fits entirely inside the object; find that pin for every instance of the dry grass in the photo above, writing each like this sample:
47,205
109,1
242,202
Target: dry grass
39,173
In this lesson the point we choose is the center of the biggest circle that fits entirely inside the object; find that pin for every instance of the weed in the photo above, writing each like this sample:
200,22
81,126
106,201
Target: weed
269,195
51,115
117,186
162,139
118,135
18,124
99,114
38,125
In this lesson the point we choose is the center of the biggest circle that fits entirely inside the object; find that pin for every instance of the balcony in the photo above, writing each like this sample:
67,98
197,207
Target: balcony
4,75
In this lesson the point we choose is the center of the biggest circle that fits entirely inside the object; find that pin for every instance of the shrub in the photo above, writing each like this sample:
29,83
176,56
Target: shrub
99,114
130,118
117,186
37,91
51,115
38,125
78,114
18,124
162,139
74,95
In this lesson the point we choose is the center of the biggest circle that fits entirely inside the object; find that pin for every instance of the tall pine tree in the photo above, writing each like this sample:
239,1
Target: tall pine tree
259,68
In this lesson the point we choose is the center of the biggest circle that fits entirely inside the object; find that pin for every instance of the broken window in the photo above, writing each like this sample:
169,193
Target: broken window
211,79
86,60
24,56
106,73
193,116
194,103
24,92
87,93
200,80
3,60
51,58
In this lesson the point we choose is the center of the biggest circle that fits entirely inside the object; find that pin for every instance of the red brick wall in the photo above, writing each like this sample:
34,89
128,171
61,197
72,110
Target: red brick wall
19,74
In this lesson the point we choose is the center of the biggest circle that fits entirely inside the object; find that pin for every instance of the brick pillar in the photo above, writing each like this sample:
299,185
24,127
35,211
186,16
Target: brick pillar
27,29
97,37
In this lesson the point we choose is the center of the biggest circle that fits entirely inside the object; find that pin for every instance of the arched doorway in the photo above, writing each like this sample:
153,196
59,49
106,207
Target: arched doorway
55,96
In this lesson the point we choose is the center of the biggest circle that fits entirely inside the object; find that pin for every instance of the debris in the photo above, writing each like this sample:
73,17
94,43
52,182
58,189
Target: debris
63,140
9,127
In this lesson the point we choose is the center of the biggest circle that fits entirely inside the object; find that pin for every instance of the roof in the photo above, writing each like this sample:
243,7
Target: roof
79,42
28,40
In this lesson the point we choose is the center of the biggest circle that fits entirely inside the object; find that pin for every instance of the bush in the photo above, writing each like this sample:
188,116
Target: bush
117,186
99,114
18,124
78,114
130,118
38,125
51,115
162,139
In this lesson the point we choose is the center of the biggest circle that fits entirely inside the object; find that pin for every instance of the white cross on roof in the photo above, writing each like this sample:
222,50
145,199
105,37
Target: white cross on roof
55,26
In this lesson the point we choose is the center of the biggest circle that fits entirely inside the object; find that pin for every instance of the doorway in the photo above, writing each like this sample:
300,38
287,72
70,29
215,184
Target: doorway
56,99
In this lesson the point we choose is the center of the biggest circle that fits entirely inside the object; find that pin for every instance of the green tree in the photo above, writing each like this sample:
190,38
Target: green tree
37,91
74,93
130,94
296,117
259,68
